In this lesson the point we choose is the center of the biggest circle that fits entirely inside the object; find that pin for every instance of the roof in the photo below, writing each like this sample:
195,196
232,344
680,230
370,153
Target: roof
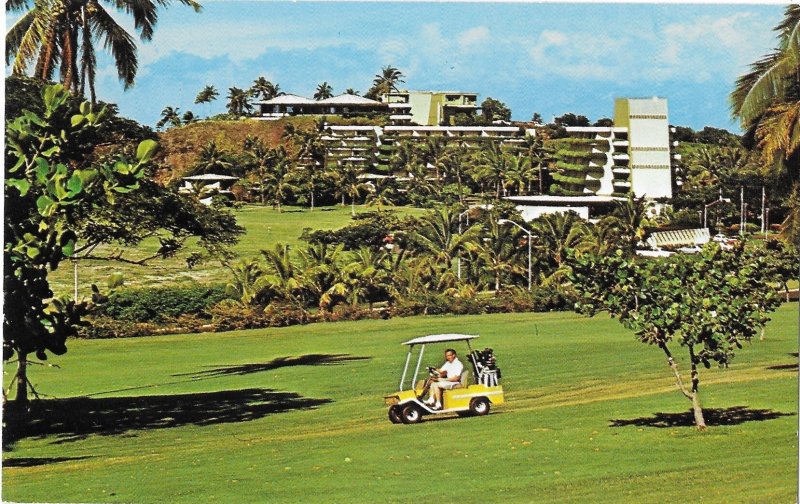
348,99
288,99
210,176
564,200
440,338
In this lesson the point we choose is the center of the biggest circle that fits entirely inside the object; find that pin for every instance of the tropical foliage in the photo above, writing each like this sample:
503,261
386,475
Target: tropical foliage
61,34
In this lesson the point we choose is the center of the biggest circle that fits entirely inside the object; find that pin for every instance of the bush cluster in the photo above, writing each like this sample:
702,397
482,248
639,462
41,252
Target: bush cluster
162,304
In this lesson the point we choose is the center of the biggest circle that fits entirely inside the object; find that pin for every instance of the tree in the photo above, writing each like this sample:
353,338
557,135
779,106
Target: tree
604,122
385,82
709,303
437,235
212,160
323,91
351,183
45,194
351,91
238,101
65,32
767,102
570,119
206,95
279,178
555,234
169,116
264,89
494,110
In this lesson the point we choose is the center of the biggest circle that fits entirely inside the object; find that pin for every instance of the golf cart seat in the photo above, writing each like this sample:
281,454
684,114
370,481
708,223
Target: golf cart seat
463,382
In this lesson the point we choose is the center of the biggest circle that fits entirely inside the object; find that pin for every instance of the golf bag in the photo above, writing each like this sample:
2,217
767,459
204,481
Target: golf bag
485,367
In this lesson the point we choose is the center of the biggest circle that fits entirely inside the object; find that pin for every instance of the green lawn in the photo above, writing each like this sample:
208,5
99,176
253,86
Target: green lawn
296,415
264,228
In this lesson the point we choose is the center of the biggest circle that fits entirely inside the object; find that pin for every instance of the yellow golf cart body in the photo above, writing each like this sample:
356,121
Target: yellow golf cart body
477,391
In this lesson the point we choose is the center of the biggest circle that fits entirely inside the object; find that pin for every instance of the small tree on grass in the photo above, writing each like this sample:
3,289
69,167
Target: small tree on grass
44,197
709,303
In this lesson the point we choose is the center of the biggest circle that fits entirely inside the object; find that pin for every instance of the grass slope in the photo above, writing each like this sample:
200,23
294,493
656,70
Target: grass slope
296,415
264,226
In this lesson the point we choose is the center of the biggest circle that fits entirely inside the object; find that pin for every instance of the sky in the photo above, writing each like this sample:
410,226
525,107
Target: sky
545,58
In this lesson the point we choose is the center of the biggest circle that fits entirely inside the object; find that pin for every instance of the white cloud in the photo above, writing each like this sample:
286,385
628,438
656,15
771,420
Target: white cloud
473,36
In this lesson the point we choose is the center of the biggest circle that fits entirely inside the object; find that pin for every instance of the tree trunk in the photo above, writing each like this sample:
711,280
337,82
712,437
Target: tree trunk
21,400
312,200
694,395
353,206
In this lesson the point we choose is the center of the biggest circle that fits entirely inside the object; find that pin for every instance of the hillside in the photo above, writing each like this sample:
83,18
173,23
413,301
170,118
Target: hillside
180,146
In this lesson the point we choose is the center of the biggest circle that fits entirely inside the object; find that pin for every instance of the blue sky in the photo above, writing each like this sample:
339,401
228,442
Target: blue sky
546,58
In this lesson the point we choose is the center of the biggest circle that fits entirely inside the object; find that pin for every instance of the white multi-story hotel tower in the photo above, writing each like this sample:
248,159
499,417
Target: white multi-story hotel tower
633,156
648,144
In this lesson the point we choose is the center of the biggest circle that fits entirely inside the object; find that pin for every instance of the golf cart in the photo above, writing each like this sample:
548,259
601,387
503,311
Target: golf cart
470,397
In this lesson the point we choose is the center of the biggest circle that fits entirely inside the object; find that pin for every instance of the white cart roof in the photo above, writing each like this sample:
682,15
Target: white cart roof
439,338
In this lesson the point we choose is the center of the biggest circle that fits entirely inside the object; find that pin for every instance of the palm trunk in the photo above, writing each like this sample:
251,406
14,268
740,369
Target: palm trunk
353,206
312,200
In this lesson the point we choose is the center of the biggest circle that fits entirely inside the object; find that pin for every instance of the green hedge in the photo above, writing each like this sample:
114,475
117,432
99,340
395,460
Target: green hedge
159,305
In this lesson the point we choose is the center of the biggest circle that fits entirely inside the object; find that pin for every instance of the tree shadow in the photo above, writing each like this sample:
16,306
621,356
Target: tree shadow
38,461
787,367
734,415
303,360
76,418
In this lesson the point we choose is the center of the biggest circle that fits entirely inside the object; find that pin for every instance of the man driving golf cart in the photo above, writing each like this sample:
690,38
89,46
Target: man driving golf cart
450,388
444,378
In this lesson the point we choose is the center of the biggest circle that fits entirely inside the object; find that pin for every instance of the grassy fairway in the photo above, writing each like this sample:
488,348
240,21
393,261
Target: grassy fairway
264,228
296,415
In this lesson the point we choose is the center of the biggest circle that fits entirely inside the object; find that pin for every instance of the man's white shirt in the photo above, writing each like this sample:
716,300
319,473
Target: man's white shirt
454,368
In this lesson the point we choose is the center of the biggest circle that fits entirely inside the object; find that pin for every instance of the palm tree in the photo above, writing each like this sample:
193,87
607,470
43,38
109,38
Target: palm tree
767,102
495,251
188,117
554,234
207,95
323,92
537,157
311,154
247,281
384,193
264,89
493,166
281,275
352,185
319,264
385,82
518,173
238,101
64,33
278,182
169,115
212,160
351,91
438,236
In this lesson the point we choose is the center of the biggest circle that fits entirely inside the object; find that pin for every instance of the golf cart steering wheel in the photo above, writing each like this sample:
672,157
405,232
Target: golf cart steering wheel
434,372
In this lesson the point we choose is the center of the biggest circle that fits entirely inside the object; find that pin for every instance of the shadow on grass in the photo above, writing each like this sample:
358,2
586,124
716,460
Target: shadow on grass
76,418
714,417
38,461
786,367
303,360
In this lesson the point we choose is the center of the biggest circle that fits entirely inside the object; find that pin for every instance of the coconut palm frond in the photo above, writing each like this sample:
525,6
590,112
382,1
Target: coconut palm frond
778,133
16,5
770,85
118,41
145,15
15,36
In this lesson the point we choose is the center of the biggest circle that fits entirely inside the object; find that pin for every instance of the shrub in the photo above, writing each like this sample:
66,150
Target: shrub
229,315
162,304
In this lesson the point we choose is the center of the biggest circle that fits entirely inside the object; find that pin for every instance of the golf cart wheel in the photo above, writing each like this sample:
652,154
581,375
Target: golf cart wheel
479,406
411,414
394,415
